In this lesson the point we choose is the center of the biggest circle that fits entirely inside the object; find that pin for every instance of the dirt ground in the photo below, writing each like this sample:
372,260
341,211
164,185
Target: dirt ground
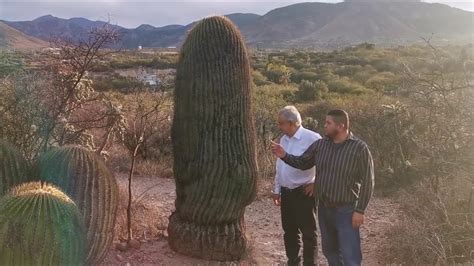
263,224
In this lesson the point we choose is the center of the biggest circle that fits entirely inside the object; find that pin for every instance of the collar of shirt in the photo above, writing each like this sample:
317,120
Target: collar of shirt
297,134
350,137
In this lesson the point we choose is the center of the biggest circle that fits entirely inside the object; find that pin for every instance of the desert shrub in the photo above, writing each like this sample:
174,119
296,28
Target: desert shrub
56,104
296,64
348,71
163,62
382,81
438,225
9,63
439,209
311,91
297,77
364,74
115,82
344,85
278,73
259,79
268,100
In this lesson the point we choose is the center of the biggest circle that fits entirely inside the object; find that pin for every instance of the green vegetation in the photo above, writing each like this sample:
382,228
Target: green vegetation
115,82
13,167
9,63
40,225
93,188
126,60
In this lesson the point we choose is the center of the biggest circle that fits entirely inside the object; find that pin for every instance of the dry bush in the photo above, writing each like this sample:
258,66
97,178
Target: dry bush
267,101
438,227
147,221
154,168
56,104
439,210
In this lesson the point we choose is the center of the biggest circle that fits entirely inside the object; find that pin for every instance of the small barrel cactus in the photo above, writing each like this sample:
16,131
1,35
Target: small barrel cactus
40,225
13,167
84,177
213,143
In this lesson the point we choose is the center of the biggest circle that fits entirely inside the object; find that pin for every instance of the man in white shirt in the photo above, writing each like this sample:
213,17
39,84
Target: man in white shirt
294,188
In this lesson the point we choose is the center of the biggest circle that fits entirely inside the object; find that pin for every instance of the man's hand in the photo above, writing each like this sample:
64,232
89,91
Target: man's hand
309,189
278,150
357,220
276,199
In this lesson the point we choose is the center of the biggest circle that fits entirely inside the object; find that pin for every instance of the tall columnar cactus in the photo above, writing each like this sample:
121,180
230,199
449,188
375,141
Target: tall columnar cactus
85,178
13,167
213,143
40,225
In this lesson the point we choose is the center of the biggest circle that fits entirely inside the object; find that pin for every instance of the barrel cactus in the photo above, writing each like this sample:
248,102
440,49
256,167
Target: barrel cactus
213,143
14,169
85,178
40,225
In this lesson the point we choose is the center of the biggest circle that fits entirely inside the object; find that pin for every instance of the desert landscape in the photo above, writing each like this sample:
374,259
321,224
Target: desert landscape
130,143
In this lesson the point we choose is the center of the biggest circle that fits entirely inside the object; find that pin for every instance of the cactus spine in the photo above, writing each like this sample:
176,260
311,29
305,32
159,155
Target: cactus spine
13,167
40,225
85,178
213,143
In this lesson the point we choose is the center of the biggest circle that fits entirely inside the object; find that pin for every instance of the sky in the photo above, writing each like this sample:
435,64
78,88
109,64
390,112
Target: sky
131,14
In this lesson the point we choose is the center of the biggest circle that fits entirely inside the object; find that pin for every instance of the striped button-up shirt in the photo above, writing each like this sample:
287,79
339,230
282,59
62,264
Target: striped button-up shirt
344,171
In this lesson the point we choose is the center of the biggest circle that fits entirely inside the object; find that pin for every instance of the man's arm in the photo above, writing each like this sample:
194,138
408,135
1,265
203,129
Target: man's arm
366,180
305,161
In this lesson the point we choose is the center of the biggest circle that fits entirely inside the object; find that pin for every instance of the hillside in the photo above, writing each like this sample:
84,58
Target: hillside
352,22
301,25
14,39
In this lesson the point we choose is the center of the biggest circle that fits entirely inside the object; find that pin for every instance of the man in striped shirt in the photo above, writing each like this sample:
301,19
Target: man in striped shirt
344,185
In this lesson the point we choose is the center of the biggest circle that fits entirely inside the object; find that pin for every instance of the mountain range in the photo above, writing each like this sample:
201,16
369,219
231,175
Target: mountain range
317,25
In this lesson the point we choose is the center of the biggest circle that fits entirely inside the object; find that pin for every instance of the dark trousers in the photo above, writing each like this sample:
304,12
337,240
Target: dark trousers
339,240
298,216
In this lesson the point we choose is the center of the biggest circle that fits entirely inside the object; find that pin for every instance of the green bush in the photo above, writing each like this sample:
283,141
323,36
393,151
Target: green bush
311,91
345,86
259,79
299,76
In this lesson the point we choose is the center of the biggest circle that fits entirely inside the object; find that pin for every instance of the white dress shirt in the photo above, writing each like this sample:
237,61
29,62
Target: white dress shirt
287,176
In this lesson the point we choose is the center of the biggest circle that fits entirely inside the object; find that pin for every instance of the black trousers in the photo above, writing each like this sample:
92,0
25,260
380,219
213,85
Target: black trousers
298,216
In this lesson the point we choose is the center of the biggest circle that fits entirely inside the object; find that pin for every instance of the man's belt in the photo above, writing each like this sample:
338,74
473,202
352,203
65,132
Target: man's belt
334,205
296,189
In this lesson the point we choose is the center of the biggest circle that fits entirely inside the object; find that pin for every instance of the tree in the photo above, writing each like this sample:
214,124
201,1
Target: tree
278,73
56,104
147,110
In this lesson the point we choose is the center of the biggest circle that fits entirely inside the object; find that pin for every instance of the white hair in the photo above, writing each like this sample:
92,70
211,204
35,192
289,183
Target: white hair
290,114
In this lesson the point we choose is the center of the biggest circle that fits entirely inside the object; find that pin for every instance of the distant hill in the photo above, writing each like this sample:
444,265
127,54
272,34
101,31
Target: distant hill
300,25
355,21
14,39
49,27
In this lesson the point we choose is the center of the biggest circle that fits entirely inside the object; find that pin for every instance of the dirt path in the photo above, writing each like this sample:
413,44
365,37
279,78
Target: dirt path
263,223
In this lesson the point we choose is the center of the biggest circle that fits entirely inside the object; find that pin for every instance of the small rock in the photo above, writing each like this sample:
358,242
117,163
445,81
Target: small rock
134,243
119,257
122,246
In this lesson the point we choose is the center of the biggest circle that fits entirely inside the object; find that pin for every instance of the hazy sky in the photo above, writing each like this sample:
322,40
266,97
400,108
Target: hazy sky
158,13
